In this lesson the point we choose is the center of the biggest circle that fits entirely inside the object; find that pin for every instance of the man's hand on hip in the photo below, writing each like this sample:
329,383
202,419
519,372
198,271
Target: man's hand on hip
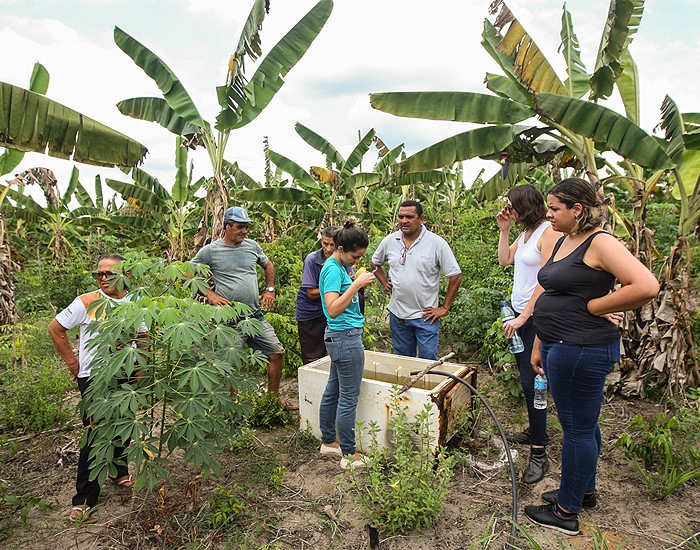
432,314
215,299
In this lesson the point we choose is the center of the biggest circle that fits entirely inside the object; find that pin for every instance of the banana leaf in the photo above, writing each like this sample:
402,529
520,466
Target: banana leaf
232,96
496,185
470,144
606,127
320,143
166,80
301,176
156,109
624,17
490,39
277,195
237,178
456,106
357,154
508,89
269,76
577,80
531,67
389,158
628,86
141,194
32,122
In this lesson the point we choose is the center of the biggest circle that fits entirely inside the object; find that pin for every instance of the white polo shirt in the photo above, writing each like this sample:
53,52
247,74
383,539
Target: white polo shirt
416,281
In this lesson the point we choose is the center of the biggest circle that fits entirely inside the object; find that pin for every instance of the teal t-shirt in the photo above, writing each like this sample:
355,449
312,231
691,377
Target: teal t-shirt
334,278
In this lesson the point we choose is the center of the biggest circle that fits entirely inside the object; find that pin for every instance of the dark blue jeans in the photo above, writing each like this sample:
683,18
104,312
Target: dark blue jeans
86,491
409,334
576,377
339,401
537,417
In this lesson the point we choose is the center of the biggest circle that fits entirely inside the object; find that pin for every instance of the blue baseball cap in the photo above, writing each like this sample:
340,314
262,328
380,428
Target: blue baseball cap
237,214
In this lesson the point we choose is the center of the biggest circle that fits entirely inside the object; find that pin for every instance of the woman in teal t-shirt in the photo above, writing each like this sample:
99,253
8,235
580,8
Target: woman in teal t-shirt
343,339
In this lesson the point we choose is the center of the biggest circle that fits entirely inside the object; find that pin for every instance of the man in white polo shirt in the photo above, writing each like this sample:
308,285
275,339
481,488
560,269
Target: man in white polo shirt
416,258
80,314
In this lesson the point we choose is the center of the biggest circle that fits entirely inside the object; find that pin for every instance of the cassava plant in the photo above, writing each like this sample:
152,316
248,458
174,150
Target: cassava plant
181,384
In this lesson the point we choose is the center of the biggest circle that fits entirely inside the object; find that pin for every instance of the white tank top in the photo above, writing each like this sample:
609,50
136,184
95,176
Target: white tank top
528,261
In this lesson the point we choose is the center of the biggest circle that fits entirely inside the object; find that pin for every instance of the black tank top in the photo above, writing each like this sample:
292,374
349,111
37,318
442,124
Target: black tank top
561,312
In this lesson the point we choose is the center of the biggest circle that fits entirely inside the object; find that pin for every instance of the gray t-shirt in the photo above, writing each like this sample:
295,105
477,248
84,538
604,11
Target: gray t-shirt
233,269
416,281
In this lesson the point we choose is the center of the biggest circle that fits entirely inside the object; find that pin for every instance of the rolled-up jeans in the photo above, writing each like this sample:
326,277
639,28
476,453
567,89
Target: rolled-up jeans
576,376
339,401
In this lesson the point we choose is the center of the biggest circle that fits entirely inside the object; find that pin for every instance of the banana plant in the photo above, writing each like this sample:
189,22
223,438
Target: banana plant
337,186
531,87
241,100
54,225
152,210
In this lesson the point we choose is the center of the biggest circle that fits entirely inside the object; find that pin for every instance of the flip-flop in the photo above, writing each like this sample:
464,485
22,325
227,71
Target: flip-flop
125,481
79,513
289,405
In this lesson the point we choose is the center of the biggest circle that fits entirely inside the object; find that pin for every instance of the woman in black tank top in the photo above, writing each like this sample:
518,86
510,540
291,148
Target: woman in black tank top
578,341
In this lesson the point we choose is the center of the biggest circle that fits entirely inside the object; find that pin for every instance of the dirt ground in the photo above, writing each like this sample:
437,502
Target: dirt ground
307,510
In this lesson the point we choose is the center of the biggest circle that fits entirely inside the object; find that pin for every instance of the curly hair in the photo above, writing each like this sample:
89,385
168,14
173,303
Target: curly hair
528,203
571,191
351,236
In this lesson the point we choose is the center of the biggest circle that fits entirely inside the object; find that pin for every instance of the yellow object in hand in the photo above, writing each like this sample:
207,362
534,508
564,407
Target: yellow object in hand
360,272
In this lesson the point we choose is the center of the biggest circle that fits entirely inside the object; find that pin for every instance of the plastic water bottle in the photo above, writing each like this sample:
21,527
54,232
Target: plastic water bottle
515,344
540,401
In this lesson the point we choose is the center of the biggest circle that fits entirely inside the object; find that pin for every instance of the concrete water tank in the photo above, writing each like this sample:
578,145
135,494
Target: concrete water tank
450,402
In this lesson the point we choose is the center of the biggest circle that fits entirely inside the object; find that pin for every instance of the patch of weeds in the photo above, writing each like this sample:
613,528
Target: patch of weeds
31,396
508,378
259,465
226,507
268,411
274,481
408,489
242,439
305,439
663,451
601,543
22,505
691,541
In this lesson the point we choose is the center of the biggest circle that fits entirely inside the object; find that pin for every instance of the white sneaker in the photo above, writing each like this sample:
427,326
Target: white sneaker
349,463
329,450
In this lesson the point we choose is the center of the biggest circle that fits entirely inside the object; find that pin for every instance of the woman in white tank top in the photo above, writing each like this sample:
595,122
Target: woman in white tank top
528,253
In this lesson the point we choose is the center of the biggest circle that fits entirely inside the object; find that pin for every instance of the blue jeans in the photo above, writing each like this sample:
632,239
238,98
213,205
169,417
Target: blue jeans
537,417
576,377
409,334
339,401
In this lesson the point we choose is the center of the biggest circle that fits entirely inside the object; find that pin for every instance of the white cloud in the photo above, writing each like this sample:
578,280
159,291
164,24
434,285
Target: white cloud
367,46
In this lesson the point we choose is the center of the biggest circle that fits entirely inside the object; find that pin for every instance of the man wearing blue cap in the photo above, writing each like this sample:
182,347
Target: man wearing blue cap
233,260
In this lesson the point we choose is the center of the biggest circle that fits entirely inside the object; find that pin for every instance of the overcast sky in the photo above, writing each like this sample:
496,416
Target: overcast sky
366,46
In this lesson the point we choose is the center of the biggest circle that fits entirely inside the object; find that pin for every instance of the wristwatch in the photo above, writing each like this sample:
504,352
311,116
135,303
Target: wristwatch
270,289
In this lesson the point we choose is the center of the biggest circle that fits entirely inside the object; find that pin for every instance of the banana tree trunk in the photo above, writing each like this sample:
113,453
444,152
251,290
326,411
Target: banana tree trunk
658,344
211,226
7,281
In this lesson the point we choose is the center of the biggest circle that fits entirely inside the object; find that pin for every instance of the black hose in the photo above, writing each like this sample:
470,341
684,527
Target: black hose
514,485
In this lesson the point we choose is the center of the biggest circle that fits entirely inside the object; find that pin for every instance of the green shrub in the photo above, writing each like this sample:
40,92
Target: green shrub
226,506
664,451
42,286
268,411
32,396
408,489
